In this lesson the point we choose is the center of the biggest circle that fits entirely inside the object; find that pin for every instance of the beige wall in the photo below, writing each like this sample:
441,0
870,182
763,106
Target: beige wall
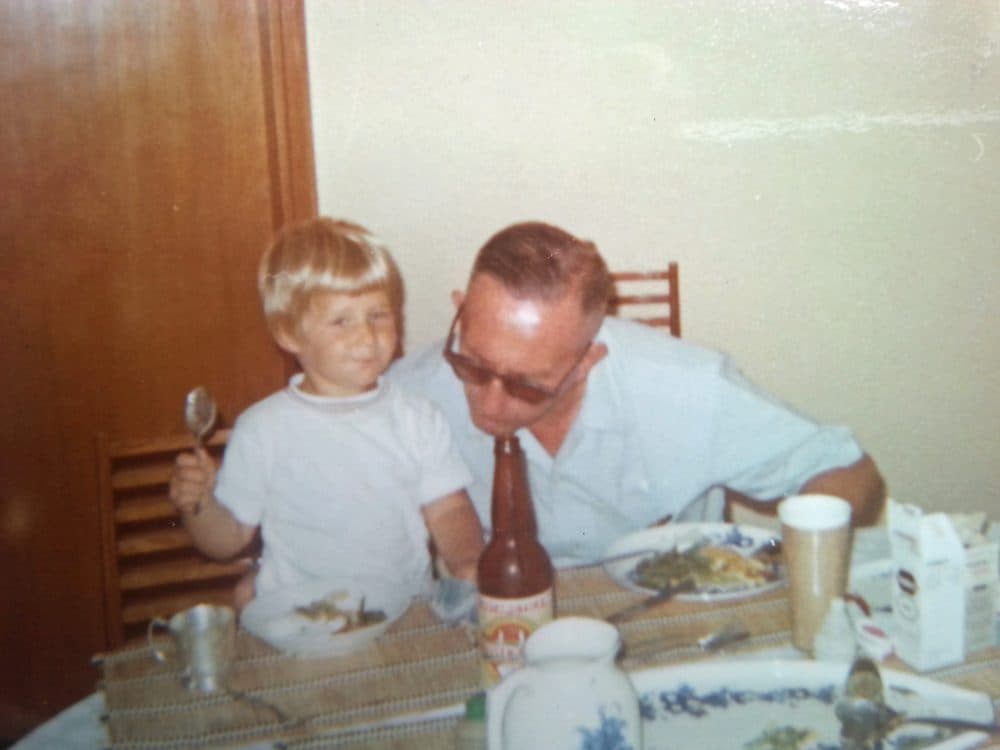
826,174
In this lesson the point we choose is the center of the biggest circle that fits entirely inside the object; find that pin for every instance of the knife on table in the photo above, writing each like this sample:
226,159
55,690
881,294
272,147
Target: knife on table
665,594
611,558
730,633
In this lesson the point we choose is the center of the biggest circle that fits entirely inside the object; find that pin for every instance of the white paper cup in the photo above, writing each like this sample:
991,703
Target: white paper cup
816,543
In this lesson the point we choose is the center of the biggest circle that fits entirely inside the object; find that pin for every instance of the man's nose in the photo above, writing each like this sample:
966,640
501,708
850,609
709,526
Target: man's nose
493,397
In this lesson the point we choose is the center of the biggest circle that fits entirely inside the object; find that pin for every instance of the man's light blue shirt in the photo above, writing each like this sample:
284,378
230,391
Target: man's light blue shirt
662,423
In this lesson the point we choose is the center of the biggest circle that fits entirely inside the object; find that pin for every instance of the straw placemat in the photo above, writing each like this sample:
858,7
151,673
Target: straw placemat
981,672
419,666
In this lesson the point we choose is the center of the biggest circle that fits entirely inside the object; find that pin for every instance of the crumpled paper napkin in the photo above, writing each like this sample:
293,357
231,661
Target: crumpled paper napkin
454,601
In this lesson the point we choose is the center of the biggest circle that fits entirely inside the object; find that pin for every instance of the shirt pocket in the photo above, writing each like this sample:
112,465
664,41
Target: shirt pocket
636,501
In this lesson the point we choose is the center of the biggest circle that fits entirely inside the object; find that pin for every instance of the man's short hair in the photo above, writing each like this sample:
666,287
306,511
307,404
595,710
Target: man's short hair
541,261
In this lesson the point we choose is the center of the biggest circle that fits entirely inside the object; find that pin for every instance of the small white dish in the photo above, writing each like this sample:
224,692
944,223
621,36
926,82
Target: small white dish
273,618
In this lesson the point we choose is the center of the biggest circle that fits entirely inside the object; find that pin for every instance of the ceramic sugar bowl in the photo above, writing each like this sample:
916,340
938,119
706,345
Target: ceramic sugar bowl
569,695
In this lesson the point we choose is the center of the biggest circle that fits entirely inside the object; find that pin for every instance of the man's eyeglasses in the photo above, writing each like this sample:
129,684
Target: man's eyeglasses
470,371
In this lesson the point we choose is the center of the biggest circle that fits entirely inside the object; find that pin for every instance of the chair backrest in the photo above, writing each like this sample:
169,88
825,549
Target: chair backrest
151,568
652,297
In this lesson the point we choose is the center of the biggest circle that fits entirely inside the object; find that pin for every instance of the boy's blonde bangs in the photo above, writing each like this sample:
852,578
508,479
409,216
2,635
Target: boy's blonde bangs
317,256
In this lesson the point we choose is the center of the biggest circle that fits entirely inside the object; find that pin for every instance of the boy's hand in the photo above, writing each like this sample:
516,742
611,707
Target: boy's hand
192,481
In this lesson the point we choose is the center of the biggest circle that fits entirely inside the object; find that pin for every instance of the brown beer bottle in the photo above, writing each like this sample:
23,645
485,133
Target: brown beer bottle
515,574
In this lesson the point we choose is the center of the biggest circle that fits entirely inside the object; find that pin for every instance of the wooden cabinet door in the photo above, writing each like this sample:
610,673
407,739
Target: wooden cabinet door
148,152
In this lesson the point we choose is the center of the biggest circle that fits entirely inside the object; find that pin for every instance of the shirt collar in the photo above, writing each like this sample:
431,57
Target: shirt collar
335,404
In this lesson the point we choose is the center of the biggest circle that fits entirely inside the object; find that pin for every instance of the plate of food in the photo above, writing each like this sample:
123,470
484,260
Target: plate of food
788,705
725,561
326,617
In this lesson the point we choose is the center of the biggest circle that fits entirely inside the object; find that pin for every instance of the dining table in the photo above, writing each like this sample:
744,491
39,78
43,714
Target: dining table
410,687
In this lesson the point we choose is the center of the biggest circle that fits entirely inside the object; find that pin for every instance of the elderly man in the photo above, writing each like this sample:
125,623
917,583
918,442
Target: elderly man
620,423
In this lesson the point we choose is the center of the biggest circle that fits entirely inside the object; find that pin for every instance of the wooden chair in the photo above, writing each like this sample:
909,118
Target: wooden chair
150,566
651,297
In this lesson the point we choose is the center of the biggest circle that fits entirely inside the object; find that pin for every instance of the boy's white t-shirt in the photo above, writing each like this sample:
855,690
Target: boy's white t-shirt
336,484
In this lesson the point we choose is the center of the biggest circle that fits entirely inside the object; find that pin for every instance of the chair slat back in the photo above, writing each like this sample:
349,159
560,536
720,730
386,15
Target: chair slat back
651,297
150,565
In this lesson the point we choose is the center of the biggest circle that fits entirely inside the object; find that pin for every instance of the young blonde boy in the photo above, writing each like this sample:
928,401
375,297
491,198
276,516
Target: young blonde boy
344,473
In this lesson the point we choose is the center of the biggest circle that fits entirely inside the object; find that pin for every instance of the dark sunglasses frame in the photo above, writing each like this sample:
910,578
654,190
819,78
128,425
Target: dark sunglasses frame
469,371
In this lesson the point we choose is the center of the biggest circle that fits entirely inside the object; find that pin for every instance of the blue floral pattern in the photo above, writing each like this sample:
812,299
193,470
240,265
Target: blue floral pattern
736,538
686,701
609,735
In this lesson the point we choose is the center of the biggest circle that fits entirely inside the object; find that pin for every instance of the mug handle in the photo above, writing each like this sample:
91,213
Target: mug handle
156,622
496,704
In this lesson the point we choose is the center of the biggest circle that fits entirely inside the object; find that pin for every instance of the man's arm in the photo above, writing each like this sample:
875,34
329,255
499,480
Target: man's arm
859,483
457,533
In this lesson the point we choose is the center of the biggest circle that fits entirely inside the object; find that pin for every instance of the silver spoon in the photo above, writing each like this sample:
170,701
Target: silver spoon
862,712
865,718
200,413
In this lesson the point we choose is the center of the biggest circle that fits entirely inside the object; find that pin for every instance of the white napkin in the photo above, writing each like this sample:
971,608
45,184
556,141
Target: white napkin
454,601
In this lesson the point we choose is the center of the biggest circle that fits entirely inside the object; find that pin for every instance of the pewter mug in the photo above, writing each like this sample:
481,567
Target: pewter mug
204,645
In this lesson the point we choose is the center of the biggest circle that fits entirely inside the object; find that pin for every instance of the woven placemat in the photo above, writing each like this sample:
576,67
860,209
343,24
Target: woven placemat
436,734
417,666
420,665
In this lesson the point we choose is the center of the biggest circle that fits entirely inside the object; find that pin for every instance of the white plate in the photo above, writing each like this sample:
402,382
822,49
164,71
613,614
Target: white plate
272,617
727,705
738,537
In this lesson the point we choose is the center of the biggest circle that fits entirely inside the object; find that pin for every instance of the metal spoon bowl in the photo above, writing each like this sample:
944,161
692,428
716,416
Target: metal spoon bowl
865,718
200,413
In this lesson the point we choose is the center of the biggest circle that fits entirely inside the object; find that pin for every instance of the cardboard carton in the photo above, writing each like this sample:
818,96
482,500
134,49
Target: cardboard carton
944,596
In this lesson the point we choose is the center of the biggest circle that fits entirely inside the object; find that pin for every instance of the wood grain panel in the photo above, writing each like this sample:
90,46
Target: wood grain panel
148,152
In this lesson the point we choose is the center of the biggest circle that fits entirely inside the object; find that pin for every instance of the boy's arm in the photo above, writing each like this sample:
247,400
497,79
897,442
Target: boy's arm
457,533
215,530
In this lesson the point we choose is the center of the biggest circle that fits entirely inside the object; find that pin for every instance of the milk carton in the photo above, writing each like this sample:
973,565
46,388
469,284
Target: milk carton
944,595
982,594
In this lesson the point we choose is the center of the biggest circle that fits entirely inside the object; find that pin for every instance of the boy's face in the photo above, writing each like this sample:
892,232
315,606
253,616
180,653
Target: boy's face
344,342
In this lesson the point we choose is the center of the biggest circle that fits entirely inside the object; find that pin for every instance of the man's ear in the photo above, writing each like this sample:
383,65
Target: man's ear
598,351
457,298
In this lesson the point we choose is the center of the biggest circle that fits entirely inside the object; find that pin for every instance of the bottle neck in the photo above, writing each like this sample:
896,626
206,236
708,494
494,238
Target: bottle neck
512,512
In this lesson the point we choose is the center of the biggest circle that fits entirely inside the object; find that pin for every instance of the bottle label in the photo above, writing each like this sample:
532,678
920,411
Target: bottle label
504,626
